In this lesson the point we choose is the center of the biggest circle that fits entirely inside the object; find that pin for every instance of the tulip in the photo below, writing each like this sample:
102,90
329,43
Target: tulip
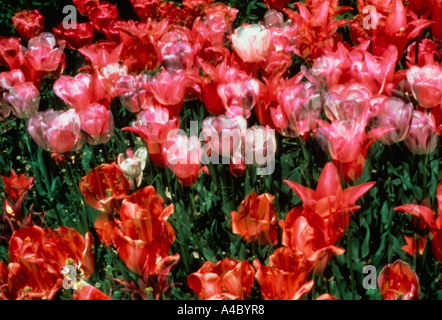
347,143
97,124
411,246
133,166
78,37
285,276
426,85
329,203
427,215
228,279
145,8
398,282
28,23
177,49
392,112
259,146
24,99
85,291
255,220
11,53
84,6
154,125
435,7
252,42
183,156
16,186
301,233
277,4
101,14
105,187
56,131
74,91
422,137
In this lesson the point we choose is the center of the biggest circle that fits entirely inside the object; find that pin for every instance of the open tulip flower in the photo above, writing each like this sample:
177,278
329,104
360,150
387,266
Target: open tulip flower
313,120
228,279
398,282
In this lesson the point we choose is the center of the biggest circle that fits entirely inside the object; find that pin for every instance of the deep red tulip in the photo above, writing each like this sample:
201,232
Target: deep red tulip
285,277
436,16
78,37
228,279
101,14
84,6
145,9
104,187
277,4
398,282
255,220
28,23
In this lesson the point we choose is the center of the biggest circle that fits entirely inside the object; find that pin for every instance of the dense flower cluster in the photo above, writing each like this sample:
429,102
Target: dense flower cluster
255,92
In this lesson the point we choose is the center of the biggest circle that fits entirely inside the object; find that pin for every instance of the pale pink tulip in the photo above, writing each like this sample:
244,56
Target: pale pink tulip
422,137
97,124
426,84
24,99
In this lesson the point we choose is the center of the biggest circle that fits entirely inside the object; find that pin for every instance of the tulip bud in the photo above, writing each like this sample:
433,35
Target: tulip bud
422,137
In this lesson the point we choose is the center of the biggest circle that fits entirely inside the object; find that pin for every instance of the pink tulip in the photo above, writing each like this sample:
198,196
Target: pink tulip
56,131
74,91
422,137
97,124
426,84
259,145
154,125
392,112
252,42
24,99
183,156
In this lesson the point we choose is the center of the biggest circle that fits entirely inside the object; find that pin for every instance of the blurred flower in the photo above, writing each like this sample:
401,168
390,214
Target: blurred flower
133,165
105,187
422,137
228,279
398,282
255,220
56,131
285,277
28,23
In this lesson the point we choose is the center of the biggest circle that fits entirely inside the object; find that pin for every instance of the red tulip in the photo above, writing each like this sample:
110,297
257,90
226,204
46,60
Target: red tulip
183,156
154,125
102,53
145,9
422,137
228,279
56,131
411,246
255,220
309,233
87,292
101,14
104,187
277,4
285,277
398,282
428,216
11,53
84,6
78,37
16,185
435,7
329,206
28,23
